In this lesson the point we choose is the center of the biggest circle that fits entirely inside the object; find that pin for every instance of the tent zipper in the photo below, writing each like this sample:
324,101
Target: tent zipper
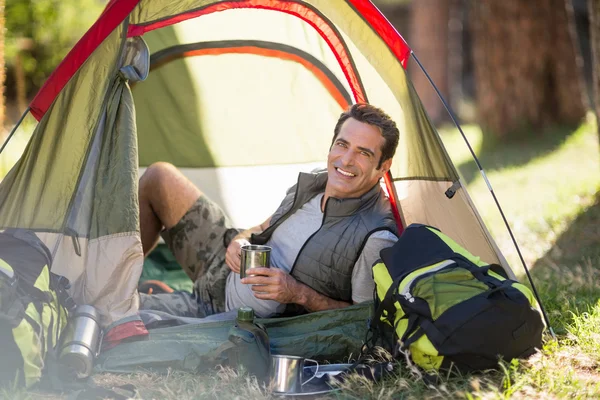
75,239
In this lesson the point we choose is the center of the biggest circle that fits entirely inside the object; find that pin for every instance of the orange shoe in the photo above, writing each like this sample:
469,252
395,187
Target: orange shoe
154,287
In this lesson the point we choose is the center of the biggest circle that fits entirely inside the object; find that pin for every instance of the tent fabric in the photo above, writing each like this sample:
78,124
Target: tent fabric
161,265
61,186
332,336
241,120
114,14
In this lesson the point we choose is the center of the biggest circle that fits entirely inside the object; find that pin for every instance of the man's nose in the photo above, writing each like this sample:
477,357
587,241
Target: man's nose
348,158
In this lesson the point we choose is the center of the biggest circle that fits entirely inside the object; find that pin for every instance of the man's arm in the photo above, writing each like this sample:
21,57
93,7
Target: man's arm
233,254
362,274
282,287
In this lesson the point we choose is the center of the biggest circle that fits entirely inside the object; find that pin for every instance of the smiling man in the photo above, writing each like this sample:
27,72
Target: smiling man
325,235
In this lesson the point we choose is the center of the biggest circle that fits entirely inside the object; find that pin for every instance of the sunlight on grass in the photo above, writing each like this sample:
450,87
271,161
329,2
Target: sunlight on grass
15,147
540,198
455,143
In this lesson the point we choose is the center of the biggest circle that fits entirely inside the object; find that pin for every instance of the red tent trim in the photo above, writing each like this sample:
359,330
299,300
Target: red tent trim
393,198
114,14
296,9
383,28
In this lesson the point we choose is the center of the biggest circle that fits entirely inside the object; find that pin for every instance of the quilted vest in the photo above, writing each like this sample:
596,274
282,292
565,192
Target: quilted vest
326,259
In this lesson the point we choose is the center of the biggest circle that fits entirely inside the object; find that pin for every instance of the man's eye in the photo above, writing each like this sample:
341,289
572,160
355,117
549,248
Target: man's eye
365,153
342,144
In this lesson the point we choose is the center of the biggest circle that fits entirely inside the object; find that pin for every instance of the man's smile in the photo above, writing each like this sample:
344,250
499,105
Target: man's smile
345,173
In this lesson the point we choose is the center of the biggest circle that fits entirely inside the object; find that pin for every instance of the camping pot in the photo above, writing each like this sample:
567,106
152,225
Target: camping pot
81,340
287,373
254,256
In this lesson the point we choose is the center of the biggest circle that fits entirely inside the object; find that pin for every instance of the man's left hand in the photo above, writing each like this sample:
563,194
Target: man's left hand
273,284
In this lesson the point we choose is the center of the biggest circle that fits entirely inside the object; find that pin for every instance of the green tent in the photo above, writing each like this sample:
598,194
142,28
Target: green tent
235,93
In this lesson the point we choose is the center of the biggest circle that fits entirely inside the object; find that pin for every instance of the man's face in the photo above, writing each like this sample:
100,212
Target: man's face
353,159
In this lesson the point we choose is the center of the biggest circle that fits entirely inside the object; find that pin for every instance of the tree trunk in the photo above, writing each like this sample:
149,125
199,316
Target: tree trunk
594,12
2,70
527,66
429,41
20,83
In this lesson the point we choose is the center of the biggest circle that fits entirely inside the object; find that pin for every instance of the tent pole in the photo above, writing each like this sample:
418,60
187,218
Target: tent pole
455,121
14,129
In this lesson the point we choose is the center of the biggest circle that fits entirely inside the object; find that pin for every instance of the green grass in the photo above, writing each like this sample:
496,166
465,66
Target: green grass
15,147
549,189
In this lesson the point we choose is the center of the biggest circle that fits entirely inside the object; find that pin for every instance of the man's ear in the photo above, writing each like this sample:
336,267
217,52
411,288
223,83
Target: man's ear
385,166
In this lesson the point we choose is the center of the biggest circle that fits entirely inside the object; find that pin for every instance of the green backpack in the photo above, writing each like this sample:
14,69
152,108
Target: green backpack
31,315
444,307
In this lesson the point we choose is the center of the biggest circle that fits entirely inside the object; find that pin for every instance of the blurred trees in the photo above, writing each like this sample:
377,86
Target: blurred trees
429,35
527,67
39,33
594,12
438,35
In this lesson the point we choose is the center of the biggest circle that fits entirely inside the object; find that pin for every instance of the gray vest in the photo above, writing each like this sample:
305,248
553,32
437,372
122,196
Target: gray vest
326,259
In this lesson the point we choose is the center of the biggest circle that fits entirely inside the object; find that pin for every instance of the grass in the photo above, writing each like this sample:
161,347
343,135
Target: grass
15,147
549,189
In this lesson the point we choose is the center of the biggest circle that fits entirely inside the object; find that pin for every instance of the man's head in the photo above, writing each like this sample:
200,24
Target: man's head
364,142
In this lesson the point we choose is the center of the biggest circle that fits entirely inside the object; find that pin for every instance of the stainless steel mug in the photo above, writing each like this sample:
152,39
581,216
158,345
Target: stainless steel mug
287,373
254,256
80,342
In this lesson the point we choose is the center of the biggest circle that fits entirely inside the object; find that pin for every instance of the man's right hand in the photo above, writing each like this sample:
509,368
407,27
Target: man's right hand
234,254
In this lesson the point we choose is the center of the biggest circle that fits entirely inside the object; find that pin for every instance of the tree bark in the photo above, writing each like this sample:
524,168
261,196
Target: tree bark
527,66
594,13
2,70
20,83
429,41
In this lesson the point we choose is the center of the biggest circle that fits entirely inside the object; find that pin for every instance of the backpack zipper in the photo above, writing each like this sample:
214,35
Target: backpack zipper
406,291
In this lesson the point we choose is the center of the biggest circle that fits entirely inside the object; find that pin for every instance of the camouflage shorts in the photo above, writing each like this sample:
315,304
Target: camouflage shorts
198,242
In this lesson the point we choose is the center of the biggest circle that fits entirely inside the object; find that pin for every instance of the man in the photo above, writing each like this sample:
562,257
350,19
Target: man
325,235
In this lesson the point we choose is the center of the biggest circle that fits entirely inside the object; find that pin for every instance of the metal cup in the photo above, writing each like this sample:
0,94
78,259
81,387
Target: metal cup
80,342
287,373
254,256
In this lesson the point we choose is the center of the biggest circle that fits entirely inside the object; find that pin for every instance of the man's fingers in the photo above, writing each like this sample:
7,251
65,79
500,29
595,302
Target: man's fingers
263,288
257,280
265,296
232,263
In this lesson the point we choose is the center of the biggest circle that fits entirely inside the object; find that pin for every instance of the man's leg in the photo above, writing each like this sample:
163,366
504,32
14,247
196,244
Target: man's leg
197,233
165,195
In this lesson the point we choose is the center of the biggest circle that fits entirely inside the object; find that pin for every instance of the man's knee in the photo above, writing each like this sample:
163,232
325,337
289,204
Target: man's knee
167,192
158,174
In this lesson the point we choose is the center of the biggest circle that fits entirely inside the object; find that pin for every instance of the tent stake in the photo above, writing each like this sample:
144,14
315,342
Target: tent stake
482,172
14,129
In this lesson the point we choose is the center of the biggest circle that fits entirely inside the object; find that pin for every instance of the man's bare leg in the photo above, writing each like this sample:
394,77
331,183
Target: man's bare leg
165,195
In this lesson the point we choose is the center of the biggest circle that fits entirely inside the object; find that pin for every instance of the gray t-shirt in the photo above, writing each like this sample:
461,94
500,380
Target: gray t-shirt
286,242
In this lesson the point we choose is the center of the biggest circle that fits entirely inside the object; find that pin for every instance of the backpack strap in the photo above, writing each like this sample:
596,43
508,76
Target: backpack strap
387,304
31,239
60,285
33,292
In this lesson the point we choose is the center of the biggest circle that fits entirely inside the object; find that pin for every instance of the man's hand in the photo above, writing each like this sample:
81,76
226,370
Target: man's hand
274,285
234,253
234,250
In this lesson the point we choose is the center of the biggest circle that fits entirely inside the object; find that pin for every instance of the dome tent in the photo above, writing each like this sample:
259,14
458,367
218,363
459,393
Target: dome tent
227,91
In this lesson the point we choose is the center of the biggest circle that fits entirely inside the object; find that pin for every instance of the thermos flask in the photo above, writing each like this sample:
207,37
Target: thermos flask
80,341
252,350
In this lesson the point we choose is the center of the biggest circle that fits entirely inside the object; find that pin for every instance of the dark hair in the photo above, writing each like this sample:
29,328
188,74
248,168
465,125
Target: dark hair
372,115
